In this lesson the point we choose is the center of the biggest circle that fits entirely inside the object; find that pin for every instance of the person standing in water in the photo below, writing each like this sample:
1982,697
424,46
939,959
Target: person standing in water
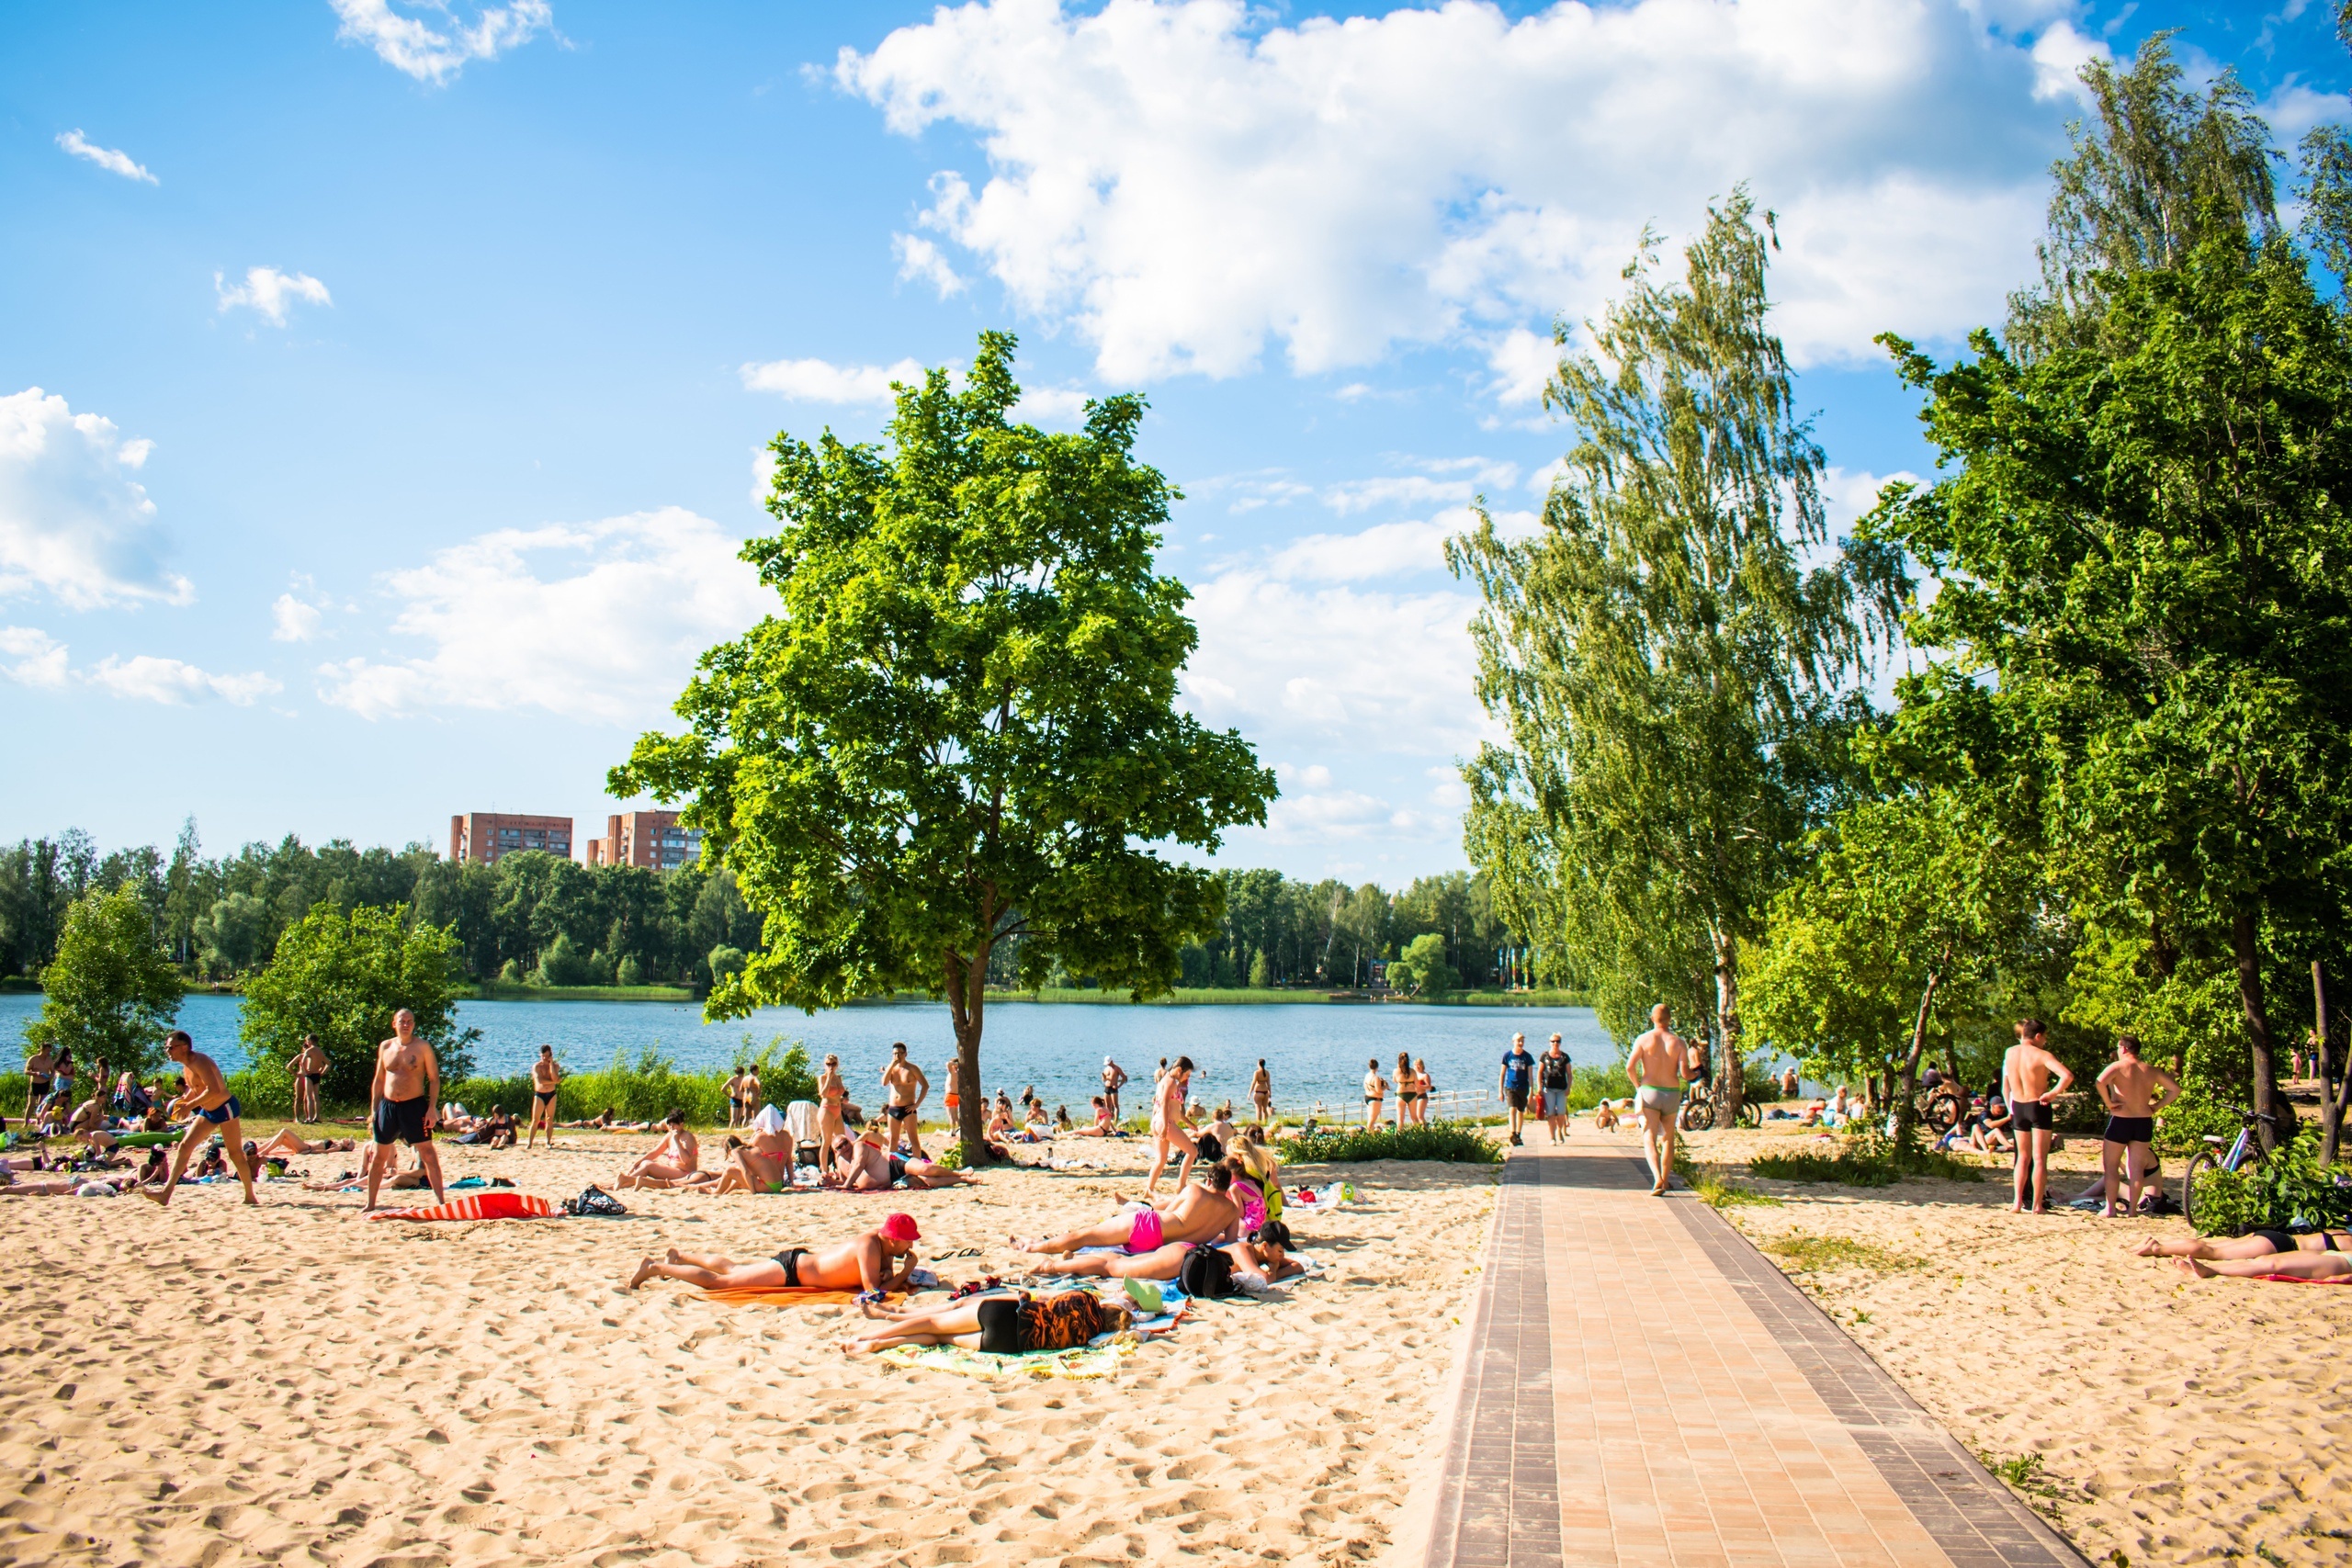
547,1077
1114,1077
1655,1067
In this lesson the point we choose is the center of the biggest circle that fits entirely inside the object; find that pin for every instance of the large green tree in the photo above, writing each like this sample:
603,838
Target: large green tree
1660,653
341,975
962,728
110,991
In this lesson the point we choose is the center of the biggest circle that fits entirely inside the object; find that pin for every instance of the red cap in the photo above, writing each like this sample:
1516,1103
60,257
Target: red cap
901,1227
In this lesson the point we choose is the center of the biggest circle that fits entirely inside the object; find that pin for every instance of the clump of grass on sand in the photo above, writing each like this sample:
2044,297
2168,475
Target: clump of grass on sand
1718,1192
1817,1254
1864,1162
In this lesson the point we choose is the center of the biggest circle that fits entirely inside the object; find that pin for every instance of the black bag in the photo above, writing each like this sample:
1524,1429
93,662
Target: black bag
1205,1273
596,1200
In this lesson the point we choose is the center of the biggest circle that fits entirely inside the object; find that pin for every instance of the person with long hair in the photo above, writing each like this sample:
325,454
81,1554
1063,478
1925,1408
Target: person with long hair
1168,1132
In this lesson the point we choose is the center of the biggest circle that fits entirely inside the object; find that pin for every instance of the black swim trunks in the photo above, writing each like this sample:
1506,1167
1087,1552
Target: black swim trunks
898,1113
543,1095
402,1120
2130,1129
2032,1115
790,1258
897,1170
2280,1241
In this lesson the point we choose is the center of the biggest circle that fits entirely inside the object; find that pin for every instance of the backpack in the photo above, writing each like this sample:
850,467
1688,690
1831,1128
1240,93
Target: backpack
1206,1273
595,1201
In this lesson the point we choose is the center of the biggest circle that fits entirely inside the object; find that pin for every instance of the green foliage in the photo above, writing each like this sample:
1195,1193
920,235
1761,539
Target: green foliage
2286,1191
961,726
1871,1159
1718,1192
649,1087
341,977
1813,1254
1421,969
1594,1085
1451,1140
110,992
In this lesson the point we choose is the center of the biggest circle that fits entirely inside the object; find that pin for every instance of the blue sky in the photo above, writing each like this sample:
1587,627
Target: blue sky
404,370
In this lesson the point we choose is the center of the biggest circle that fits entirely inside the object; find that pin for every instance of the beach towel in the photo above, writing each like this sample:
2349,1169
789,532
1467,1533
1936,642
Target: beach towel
780,1296
800,1116
1332,1195
2299,1280
145,1140
489,1206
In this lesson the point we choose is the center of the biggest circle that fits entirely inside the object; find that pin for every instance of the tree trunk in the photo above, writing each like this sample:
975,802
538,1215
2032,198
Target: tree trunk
2245,946
966,997
2330,1100
1730,1074
1906,1114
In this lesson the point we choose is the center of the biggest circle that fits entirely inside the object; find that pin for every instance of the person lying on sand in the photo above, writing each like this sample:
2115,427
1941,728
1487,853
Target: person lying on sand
600,1122
1102,1123
1197,1211
2295,1265
1264,1253
2254,1244
286,1143
862,1264
860,1164
1000,1325
673,1162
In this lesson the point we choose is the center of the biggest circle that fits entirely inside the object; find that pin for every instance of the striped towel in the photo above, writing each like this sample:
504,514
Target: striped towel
481,1206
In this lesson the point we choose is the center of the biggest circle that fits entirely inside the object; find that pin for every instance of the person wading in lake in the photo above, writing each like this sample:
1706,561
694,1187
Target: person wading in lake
404,1101
216,1111
1262,1093
547,1077
1114,1077
2026,1075
1655,1067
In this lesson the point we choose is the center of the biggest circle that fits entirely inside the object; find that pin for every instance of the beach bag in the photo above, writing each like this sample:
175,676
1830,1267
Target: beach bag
1207,1274
593,1202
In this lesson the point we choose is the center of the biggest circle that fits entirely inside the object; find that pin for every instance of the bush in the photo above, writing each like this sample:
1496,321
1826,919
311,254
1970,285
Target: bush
1869,1160
1594,1085
648,1088
1449,1141
2289,1192
341,977
564,965
111,993
629,973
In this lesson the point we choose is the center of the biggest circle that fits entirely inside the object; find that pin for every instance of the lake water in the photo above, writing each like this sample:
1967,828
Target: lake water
1315,1051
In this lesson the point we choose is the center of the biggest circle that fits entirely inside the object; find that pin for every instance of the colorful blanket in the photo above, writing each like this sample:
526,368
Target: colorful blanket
780,1295
488,1206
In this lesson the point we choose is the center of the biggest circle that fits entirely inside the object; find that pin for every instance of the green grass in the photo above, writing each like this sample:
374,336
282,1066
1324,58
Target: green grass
1717,1192
1446,1141
1864,1162
499,991
1813,1254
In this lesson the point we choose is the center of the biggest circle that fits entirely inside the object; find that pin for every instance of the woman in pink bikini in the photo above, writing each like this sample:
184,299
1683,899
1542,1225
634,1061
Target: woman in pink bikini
1168,1131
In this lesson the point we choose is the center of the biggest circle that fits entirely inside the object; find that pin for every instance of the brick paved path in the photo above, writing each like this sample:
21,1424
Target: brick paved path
1643,1388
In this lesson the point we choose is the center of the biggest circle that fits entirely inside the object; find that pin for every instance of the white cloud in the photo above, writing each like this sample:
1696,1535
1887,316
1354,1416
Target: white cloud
269,292
1051,405
171,680
919,259
1189,184
1845,496
1522,362
1387,549
38,658
437,51
73,520
819,381
600,621
106,158
2294,108
2058,55
291,620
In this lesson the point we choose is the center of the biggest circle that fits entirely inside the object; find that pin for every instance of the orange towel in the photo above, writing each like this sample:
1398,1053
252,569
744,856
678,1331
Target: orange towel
781,1295
477,1206
2300,1280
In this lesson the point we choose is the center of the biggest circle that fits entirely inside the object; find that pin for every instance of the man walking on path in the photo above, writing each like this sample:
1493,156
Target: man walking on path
2133,1092
547,1077
404,1101
207,1095
1655,1067
1114,1077
1517,1073
2026,1073
1556,1076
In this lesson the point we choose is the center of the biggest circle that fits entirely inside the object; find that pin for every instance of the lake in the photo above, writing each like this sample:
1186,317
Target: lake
1315,1051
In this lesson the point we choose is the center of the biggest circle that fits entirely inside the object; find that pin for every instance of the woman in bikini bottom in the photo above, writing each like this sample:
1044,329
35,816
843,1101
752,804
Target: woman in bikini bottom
2263,1243
1003,1326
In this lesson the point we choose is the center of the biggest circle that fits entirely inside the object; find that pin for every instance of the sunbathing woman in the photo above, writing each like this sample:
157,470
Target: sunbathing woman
2297,1265
1002,1325
673,1162
1263,1255
1198,1211
2254,1244
286,1143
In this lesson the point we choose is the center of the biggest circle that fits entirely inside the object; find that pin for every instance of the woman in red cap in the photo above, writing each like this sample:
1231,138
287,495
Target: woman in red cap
880,1260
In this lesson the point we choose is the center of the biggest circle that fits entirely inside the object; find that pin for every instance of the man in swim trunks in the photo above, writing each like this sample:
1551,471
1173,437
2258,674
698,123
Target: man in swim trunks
954,1099
904,1089
547,1077
733,1089
881,1259
1655,1067
1114,1078
215,1112
40,1068
1200,1211
2026,1074
309,1066
1512,1082
2133,1093
403,1100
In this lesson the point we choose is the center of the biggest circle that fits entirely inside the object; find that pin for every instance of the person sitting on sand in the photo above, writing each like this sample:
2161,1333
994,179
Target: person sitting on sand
673,1162
1263,1253
1222,1128
761,1163
1197,1211
999,1325
862,1165
286,1143
1038,1129
862,1264
1102,1123
1000,1121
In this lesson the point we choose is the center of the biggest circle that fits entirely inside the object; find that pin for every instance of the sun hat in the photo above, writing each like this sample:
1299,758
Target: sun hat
901,1227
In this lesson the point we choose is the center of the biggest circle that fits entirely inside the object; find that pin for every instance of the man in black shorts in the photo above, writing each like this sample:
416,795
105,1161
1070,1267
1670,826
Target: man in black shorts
2027,1074
404,1101
1513,1083
904,1089
2133,1093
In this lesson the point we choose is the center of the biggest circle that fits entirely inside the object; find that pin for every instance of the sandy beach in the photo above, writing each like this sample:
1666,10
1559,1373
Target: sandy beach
216,1385
2174,1421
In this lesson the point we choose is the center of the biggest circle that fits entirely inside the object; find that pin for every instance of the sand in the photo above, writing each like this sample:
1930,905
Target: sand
216,1385
2175,1421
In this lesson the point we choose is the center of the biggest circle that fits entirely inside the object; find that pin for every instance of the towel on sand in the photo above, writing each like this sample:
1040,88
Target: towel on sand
489,1206
781,1295
2299,1280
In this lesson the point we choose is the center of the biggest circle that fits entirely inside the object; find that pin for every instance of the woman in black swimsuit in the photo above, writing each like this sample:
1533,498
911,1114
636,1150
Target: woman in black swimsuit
1003,1325
2254,1244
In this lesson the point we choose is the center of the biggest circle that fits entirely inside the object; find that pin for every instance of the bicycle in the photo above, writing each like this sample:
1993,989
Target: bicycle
1698,1114
2244,1150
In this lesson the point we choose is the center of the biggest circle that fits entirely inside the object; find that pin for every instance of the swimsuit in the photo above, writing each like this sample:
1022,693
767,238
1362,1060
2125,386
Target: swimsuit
898,1113
954,1101
223,1112
402,1119
1013,1325
543,1095
1145,1234
790,1258
2032,1115
1655,1097
2130,1129
897,1170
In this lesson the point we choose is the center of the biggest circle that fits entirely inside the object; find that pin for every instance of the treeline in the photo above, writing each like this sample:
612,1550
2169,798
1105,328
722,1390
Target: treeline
531,917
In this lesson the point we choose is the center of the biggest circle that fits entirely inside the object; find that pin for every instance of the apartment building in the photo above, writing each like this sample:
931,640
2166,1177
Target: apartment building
483,837
650,839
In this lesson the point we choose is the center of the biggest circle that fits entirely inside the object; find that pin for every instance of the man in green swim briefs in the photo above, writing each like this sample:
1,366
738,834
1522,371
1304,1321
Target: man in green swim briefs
1656,1067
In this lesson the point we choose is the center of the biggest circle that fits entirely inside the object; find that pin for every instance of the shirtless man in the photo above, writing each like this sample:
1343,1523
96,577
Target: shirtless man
1655,1067
2026,1074
1168,1130
309,1066
1114,1078
1198,1211
404,1101
864,1264
547,1077
862,1165
733,1089
673,1162
2133,1093
904,1089
216,1109
1262,1094
39,1069
752,1094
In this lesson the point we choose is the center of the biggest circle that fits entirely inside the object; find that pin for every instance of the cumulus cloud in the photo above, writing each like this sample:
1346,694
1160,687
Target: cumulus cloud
269,292
1190,185
437,51
1845,495
173,682
34,658
73,520
108,158
918,259
1522,362
599,621
1387,549
821,381
293,620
